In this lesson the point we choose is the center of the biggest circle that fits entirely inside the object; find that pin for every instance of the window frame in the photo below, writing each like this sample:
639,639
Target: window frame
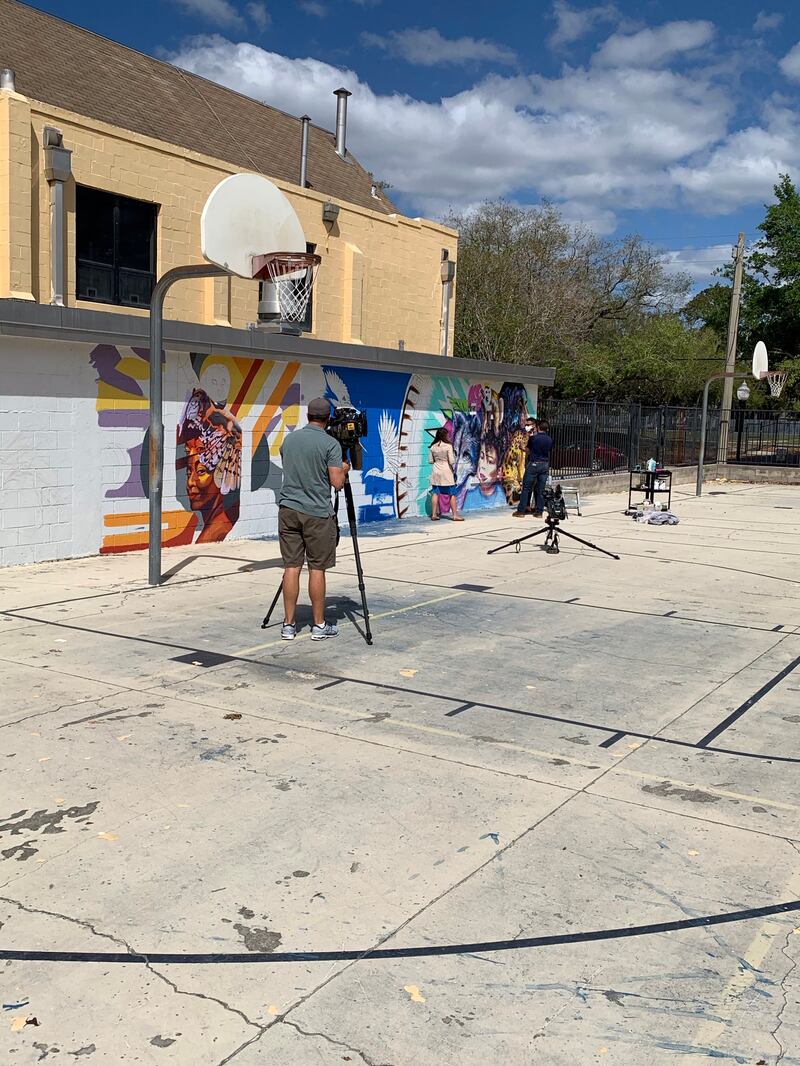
117,201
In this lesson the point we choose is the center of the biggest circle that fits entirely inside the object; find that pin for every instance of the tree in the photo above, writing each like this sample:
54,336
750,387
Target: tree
532,289
770,304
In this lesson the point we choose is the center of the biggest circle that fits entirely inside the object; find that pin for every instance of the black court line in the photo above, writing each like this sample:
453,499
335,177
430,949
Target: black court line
777,629
479,948
573,600
331,684
612,740
458,710
431,695
726,723
669,614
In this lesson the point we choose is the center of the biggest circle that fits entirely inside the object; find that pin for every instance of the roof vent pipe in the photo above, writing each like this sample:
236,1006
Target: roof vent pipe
305,119
8,80
341,121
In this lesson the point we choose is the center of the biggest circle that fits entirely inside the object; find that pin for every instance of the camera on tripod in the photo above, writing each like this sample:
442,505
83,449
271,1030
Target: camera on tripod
555,504
348,425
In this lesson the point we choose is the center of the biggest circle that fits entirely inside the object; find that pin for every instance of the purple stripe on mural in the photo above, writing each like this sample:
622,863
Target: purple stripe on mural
123,419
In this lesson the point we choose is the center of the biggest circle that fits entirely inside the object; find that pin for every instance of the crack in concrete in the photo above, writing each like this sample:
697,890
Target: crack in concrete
336,1043
782,987
148,966
55,710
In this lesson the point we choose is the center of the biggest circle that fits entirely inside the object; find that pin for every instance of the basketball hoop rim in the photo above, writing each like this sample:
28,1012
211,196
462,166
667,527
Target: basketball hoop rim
292,260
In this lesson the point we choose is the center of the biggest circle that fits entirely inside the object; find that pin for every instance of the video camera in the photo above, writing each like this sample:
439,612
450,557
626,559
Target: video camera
348,425
554,503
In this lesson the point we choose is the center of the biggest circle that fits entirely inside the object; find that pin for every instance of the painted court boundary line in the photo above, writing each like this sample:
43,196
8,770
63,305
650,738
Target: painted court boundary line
476,948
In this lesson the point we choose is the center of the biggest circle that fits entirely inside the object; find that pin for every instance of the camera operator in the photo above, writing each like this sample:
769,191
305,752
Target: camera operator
307,528
537,468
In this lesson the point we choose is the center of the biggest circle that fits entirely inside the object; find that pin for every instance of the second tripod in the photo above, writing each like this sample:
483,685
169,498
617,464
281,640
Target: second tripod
551,540
351,520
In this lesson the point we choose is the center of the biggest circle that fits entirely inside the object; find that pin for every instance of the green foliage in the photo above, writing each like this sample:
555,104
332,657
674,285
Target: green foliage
533,289
661,361
770,303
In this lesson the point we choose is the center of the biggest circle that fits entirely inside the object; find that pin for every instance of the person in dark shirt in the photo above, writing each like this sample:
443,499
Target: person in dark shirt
537,468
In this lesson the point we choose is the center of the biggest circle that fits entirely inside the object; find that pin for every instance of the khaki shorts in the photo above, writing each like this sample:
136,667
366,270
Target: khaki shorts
304,537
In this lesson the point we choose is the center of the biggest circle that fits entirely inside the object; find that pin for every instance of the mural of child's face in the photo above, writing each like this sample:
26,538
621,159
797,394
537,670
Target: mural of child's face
488,468
216,381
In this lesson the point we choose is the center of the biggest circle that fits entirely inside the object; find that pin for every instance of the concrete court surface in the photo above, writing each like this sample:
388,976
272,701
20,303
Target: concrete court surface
535,746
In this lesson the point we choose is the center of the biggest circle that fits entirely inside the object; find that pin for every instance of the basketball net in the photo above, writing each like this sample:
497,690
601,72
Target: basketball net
776,379
292,274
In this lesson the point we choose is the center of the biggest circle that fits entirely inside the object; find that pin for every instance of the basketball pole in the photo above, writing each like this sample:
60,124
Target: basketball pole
730,355
156,428
704,422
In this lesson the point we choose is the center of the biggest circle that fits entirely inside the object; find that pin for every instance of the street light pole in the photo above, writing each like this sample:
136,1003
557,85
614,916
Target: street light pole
156,434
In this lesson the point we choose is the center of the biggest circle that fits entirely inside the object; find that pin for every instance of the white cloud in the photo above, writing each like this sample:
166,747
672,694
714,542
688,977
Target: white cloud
767,20
744,167
220,12
790,64
259,16
572,23
654,47
428,48
596,140
314,7
698,263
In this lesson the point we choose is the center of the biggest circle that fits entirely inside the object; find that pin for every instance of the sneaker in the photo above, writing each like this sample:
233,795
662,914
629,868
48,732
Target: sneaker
288,631
324,631
537,514
519,514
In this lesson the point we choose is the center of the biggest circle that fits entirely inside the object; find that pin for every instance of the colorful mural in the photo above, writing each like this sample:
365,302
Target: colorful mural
235,415
485,422
232,415
380,393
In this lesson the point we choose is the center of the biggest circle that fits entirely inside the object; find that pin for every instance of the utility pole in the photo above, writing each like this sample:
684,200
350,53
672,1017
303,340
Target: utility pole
730,356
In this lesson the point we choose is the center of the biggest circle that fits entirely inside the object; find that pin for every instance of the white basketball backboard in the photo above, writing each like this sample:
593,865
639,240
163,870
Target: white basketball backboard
760,361
247,215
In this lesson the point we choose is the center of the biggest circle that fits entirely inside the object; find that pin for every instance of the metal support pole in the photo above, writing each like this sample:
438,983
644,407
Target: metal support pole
156,442
57,243
703,423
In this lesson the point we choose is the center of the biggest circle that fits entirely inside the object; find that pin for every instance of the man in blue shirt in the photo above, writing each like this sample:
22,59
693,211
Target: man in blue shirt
537,469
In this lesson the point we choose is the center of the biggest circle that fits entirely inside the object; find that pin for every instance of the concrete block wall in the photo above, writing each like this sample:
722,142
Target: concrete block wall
73,448
401,257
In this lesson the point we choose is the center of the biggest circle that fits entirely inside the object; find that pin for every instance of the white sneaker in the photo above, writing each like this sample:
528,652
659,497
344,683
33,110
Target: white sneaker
327,629
288,631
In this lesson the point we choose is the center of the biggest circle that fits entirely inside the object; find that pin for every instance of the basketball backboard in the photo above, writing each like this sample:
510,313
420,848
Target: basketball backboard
246,216
760,361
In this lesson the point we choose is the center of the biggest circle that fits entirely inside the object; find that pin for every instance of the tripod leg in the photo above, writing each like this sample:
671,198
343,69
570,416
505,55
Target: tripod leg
268,615
351,519
516,543
588,544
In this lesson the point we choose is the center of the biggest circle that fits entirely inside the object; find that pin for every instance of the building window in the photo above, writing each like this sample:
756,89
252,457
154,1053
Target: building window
116,248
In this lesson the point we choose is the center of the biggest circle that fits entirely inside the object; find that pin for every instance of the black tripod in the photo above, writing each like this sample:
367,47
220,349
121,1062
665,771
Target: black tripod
351,520
551,540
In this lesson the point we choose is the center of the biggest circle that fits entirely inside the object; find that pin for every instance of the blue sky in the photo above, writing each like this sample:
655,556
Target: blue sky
671,119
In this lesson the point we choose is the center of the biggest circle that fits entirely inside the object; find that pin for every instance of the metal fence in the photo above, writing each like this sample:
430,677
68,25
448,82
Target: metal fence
770,438
602,438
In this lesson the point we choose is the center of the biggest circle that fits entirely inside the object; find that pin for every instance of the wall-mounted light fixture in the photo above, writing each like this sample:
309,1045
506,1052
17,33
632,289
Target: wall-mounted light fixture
330,213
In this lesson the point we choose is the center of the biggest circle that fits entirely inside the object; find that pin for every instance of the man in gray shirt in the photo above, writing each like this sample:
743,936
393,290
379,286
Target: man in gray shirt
312,465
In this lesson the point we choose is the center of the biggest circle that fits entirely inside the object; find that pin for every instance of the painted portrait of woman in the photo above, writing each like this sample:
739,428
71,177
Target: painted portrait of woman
212,445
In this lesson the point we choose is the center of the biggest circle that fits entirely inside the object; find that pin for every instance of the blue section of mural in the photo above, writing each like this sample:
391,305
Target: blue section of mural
380,393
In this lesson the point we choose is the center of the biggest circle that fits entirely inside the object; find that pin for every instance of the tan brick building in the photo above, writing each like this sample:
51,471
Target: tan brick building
106,160
143,130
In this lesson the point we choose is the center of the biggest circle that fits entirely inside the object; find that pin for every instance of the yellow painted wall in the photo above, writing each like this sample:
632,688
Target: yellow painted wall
379,282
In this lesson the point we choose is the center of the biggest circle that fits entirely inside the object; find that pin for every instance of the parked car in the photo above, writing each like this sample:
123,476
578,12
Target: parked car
577,455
